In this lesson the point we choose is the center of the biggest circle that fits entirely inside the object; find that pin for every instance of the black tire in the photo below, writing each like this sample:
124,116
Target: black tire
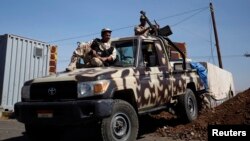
187,106
122,125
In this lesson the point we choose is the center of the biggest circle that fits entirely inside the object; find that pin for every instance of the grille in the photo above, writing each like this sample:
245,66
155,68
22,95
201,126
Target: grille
53,91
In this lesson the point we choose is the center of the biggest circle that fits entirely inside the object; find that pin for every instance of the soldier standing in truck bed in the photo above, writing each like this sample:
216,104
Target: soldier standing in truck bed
97,53
142,28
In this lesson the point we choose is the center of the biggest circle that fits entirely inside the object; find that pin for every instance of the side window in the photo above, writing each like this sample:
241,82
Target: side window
149,54
125,53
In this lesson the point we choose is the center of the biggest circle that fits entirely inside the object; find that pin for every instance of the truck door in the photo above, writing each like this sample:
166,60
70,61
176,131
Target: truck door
155,88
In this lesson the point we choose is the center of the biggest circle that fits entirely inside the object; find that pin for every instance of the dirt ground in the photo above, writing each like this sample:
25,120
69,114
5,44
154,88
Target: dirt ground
233,111
164,126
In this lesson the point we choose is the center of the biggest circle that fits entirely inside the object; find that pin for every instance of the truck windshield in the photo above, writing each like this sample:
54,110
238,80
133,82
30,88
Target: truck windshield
125,53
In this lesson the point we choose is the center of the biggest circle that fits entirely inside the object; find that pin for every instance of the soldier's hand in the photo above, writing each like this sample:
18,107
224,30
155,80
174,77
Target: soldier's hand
103,59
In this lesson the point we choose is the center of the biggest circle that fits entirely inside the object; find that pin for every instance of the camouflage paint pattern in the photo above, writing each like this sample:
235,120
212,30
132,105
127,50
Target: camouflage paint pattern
152,86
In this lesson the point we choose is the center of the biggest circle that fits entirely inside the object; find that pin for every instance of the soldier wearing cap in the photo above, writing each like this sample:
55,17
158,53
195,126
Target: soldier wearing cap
102,49
142,28
97,53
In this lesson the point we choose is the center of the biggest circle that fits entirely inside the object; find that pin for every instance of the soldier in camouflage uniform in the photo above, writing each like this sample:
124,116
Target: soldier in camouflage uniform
97,53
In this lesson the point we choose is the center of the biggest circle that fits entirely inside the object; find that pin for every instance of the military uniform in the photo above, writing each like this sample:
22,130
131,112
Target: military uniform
86,51
140,28
104,50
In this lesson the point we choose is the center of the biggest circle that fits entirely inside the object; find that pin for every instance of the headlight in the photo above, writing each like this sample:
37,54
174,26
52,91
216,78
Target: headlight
85,89
25,94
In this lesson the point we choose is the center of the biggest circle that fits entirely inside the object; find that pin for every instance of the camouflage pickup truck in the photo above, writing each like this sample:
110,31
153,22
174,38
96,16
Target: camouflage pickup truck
141,81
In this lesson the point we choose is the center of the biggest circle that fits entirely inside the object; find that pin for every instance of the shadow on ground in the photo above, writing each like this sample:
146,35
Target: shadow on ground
148,124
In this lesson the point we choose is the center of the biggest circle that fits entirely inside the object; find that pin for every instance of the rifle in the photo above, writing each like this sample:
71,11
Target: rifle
153,27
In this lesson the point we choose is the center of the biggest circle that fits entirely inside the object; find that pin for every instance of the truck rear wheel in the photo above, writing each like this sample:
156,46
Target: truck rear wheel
187,106
122,125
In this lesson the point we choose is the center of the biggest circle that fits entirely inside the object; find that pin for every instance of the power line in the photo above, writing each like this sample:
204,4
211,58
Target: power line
71,38
179,14
189,17
182,13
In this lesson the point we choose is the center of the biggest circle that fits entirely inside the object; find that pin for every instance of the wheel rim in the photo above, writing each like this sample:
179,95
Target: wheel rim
191,106
120,126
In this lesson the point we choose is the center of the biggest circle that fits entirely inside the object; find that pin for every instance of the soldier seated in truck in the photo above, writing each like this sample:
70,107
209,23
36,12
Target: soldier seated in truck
97,53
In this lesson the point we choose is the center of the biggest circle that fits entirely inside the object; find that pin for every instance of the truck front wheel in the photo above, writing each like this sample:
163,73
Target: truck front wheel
187,106
122,125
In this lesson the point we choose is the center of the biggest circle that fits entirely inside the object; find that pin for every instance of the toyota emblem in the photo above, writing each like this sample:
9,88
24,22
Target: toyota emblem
52,91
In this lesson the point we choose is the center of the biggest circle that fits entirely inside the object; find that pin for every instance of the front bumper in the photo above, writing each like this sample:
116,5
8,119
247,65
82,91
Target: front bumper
62,113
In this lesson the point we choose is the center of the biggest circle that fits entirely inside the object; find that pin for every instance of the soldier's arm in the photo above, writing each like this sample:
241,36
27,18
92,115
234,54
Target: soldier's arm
139,31
111,57
94,45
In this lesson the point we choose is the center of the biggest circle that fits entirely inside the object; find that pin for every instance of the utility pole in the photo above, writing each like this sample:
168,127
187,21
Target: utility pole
216,35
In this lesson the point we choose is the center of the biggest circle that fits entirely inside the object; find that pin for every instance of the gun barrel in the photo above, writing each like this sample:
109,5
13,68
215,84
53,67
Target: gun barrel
149,23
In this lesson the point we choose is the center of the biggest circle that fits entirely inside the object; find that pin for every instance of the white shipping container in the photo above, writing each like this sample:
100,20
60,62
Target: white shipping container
21,59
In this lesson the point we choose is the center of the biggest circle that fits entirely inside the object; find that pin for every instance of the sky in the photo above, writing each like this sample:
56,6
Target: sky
65,22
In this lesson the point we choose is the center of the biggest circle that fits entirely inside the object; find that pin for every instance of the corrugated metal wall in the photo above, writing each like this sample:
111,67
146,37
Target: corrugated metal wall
21,63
